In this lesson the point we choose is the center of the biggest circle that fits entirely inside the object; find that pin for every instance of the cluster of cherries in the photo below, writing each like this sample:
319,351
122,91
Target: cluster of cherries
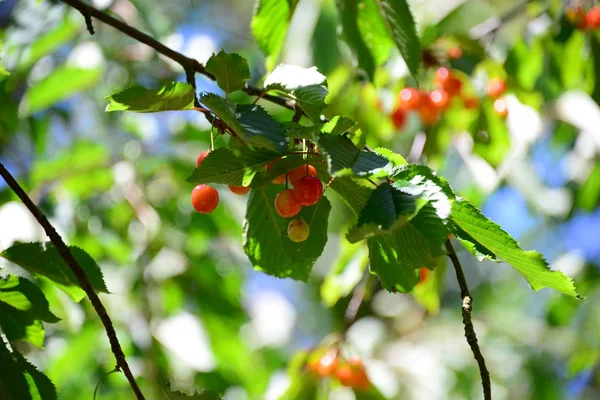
307,190
431,105
350,372
206,198
583,19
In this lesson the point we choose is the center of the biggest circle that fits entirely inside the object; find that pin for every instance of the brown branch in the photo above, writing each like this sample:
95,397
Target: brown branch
82,278
467,301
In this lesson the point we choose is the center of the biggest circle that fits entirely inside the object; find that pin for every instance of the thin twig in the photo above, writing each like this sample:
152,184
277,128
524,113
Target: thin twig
82,278
467,301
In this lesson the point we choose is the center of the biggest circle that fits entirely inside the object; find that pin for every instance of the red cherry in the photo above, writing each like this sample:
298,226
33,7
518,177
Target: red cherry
308,190
500,108
575,15
448,81
440,99
301,172
471,103
281,178
398,118
409,99
205,199
495,87
201,157
298,231
442,75
286,204
423,273
592,18
241,190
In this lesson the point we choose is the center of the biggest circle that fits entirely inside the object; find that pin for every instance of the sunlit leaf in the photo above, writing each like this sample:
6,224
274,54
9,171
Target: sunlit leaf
173,96
230,69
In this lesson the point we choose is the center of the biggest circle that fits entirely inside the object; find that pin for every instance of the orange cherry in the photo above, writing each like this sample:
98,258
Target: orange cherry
454,52
205,199
440,99
429,113
470,103
423,274
409,99
281,178
301,172
592,18
201,157
495,87
286,204
241,190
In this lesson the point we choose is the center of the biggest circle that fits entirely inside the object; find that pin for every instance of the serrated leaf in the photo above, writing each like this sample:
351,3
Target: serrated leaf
172,96
269,26
266,241
288,77
20,380
374,31
338,125
24,296
220,166
401,26
345,159
395,158
230,69
397,257
311,100
43,259
348,11
410,172
490,235
259,128
222,108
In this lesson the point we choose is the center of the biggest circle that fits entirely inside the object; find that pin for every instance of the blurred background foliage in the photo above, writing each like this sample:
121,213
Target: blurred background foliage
187,305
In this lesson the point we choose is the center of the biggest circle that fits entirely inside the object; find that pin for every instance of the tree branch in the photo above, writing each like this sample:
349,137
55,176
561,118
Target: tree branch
466,314
82,278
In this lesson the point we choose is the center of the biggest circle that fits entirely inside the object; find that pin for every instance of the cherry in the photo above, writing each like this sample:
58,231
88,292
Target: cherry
286,204
205,199
495,87
409,99
281,178
301,172
470,103
429,113
592,18
440,99
576,16
423,274
454,52
500,108
201,157
353,374
446,79
398,118
308,190
241,190
298,230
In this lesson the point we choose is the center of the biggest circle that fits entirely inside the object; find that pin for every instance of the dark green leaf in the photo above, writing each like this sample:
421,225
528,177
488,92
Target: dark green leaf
222,108
311,100
345,159
266,241
401,26
259,128
530,264
220,166
61,84
230,69
269,26
42,259
173,96
351,34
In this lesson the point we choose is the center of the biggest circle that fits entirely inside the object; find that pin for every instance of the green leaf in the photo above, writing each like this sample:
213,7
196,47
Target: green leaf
43,259
266,241
230,69
352,193
395,158
20,380
348,11
419,173
222,108
172,96
269,26
338,125
283,166
25,296
489,235
311,100
49,42
374,31
397,257
61,84
401,26
220,166
345,159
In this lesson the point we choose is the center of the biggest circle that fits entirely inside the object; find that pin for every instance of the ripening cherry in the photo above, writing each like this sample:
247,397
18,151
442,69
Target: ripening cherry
353,374
201,157
398,118
454,52
423,274
592,18
286,204
470,103
241,190
301,172
281,178
575,15
500,108
429,113
308,190
448,81
298,230
409,99
495,87
205,199
440,99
